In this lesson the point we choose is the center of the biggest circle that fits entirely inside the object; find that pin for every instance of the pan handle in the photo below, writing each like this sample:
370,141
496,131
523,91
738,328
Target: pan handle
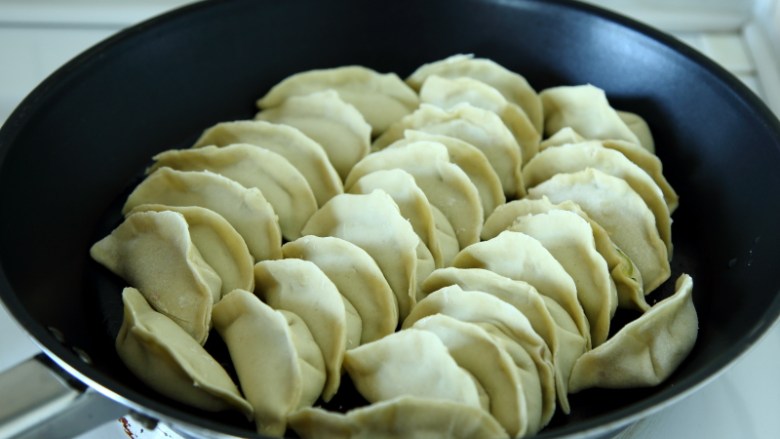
39,402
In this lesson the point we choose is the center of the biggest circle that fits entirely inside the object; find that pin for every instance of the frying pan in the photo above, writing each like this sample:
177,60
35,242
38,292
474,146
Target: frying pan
72,150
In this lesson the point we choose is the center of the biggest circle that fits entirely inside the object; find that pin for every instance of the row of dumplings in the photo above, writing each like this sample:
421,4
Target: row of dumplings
547,333
306,246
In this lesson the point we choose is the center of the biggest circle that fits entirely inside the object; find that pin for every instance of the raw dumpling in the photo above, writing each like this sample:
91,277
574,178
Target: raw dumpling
410,362
612,203
471,160
579,156
153,252
301,288
411,201
354,324
311,361
381,98
481,128
165,357
506,214
336,125
571,345
245,209
637,154
445,185
403,417
447,93
521,257
540,401
569,239
219,244
627,278
280,369
476,351
557,329
650,164
513,86
499,318
517,293
639,127
646,351
586,110
561,137
425,265
305,154
281,184
374,223
448,240
357,277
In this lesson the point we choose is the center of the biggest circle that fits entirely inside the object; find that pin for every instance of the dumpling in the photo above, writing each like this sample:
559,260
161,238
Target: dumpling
425,265
521,257
476,351
403,417
448,240
154,253
650,164
481,128
627,277
513,86
561,137
471,160
301,288
569,239
646,351
305,154
357,277
411,201
506,214
571,345
446,93
324,117
410,362
310,359
585,109
445,185
221,247
354,324
280,369
579,156
169,360
612,203
639,127
540,400
374,223
279,181
517,293
500,319
382,98
245,209
546,317
637,154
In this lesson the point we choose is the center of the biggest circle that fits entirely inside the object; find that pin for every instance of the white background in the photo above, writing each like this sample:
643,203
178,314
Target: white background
37,36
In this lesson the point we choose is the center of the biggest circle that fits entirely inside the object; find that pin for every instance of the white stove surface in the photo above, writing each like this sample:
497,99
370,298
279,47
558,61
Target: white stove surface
37,36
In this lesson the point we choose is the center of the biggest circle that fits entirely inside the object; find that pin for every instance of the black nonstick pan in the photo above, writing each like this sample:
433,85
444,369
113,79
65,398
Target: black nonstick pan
72,150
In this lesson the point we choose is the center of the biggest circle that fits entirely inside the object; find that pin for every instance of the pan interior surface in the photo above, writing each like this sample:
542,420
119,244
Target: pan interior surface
78,144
